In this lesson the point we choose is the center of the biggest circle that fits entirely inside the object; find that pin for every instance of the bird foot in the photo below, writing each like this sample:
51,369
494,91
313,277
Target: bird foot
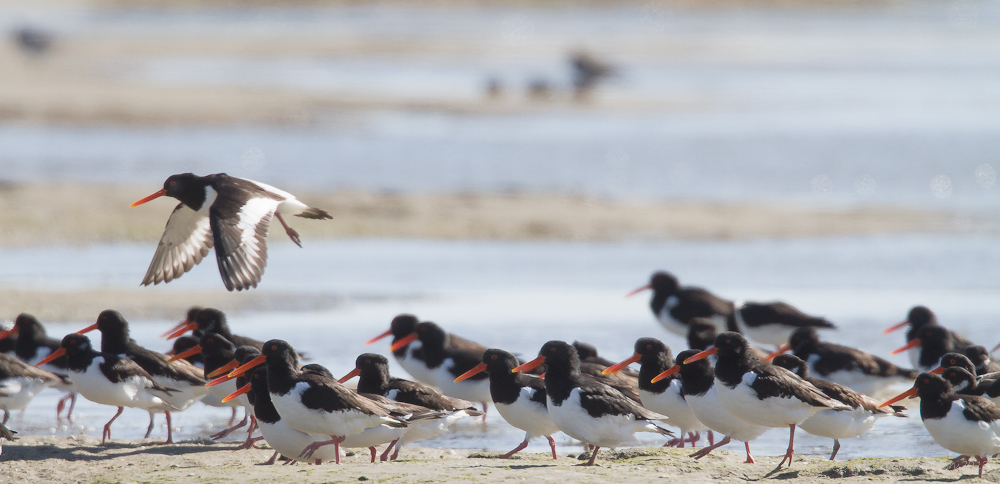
960,461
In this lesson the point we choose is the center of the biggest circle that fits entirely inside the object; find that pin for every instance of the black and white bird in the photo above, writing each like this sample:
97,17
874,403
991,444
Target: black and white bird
20,382
585,409
109,379
918,318
233,214
674,306
698,387
773,323
980,357
931,343
664,396
761,393
837,424
860,371
520,398
216,352
967,424
32,345
409,356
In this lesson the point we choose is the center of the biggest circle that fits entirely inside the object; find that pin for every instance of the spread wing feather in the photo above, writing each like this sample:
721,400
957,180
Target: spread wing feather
186,240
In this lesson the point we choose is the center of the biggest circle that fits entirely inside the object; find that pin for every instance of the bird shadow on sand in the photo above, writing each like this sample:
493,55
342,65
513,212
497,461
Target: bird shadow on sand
101,452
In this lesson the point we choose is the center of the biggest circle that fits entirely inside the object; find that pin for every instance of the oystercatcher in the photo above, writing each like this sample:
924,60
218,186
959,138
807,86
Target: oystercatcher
931,344
215,353
967,424
243,354
965,383
109,379
315,404
772,323
980,357
31,346
917,319
761,393
674,306
698,387
410,356
860,371
520,398
187,379
187,345
211,320
585,409
837,424
665,396
20,382
233,214
702,333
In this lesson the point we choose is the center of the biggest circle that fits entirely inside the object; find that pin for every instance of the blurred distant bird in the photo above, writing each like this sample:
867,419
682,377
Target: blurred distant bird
917,319
32,40
233,214
675,306
539,88
494,88
588,72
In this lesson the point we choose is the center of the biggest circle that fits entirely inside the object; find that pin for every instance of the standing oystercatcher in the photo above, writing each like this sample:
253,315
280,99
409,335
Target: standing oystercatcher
980,357
860,371
233,214
698,388
761,393
409,356
215,352
520,398
918,318
109,379
31,346
20,382
665,396
585,409
702,333
931,344
674,306
966,424
837,424
211,320
773,323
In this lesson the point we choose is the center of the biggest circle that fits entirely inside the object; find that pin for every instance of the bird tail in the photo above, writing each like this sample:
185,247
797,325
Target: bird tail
314,213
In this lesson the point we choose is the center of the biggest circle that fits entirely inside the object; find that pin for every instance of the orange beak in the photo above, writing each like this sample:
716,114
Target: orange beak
248,365
161,192
403,343
909,393
781,350
473,372
186,353
701,356
531,365
355,372
55,354
915,342
87,329
220,380
223,369
243,389
670,371
895,327
175,328
615,368
4,334
183,329
388,332
637,291
937,371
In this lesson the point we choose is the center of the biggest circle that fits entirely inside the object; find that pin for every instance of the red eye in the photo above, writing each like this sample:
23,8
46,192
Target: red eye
649,347
368,362
493,357
274,347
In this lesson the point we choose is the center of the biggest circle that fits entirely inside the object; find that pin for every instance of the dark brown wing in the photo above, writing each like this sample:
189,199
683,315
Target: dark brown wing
326,394
759,314
158,364
407,391
117,370
11,367
775,381
979,409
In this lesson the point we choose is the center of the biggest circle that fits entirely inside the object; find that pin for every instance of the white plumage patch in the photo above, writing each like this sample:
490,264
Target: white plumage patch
318,421
743,402
528,415
959,434
242,247
709,410
471,390
290,442
606,431
186,240
673,405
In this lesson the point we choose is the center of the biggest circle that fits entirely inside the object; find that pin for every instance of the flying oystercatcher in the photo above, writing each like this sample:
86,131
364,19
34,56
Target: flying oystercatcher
674,306
918,318
585,409
233,214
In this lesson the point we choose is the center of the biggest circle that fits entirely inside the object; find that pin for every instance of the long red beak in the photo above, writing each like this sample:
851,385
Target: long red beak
387,332
471,373
670,371
531,365
183,329
637,291
909,393
87,329
781,350
895,327
243,389
248,365
220,380
161,192
55,354
175,328
404,342
355,372
615,368
223,369
184,354
915,342
701,356
4,334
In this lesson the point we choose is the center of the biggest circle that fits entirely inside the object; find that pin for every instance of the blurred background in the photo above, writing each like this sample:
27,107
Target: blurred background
509,169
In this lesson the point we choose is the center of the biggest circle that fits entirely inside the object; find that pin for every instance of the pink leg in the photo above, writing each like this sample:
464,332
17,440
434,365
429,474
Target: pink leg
791,447
552,444
385,455
707,450
711,438
318,462
248,444
274,457
982,463
107,427
374,453
232,418
484,412
170,429
517,449
395,452
290,462
593,456
749,457
149,429
960,461
292,234
311,448
230,430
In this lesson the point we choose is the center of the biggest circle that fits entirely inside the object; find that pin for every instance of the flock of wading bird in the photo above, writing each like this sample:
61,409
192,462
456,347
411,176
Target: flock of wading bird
721,384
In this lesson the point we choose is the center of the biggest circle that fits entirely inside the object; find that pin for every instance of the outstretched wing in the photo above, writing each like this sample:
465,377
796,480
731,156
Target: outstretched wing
241,240
185,242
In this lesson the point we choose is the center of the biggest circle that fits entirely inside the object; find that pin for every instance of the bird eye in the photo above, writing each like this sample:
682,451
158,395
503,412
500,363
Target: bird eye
173,183
552,350
649,347
493,357
274,347
368,362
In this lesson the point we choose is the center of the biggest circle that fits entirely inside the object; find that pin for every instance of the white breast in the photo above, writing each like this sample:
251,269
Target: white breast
527,415
318,421
709,410
836,424
669,322
958,434
416,368
132,392
673,405
290,442
606,431
471,390
743,402
15,393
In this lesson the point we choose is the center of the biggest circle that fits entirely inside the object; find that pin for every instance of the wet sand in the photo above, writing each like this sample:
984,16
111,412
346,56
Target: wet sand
83,459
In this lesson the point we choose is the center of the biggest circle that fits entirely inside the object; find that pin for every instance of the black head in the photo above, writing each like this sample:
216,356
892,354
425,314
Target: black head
732,344
244,354
371,361
652,349
958,378
920,316
192,314
403,325
931,385
560,356
585,350
664,282
701,333
499,362
187,188
792,363
958,360
258,382
211,319
29,327
317,369
183,344
76,344
280,352
935,337
803,337
978,355
695,369
111,322
431,335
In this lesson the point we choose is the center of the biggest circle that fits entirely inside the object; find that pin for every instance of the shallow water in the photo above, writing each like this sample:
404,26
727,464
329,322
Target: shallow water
518,295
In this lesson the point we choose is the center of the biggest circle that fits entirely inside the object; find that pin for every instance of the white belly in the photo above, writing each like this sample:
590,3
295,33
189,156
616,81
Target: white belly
187,394
606,431
874,386
528,416
416,368
290,442
339,423
673,405
836,424
133,392
709,410
769,334
471,390
430,427
15,393
371,437
769,412
955,433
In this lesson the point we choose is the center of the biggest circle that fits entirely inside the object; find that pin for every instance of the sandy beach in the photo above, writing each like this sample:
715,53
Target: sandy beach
83,459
